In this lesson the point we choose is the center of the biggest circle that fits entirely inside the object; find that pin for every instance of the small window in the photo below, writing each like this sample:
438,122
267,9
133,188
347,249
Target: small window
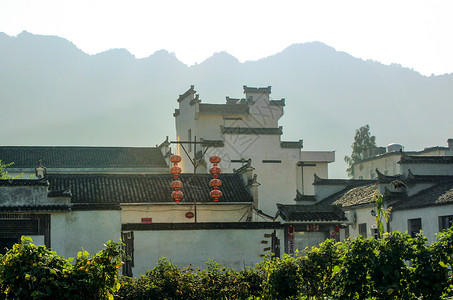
445,222
414,226
362,230
271,161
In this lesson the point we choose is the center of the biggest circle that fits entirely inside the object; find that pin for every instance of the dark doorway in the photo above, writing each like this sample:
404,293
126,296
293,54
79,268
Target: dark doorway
128,240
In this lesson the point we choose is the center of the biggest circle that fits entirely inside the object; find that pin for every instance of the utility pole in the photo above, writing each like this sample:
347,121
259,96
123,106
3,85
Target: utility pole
194,161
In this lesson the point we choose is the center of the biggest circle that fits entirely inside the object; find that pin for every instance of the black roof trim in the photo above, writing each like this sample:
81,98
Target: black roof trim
413,159
311,213
248,89
95,206
34,208
249,130
346,182
201,226
292,144
187,93
278,102
229,109
24,182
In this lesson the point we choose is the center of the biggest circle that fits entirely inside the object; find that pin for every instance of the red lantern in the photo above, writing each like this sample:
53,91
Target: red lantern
215,194
215,159
175,159
175,170
177,195
215,183
176,184
215,171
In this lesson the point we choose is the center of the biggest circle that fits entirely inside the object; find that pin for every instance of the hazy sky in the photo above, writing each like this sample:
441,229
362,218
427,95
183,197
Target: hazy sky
416,34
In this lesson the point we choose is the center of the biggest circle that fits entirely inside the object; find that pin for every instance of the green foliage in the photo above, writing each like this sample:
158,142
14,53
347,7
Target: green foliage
393,267
381,212
362,140
28,271
318,267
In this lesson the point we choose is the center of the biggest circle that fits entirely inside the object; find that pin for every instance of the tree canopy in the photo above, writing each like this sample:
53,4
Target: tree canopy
362,140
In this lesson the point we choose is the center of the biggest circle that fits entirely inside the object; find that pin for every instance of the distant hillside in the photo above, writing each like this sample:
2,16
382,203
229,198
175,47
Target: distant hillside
52,93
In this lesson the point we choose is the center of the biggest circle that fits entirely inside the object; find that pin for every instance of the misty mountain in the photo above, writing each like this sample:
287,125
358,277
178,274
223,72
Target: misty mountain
52,93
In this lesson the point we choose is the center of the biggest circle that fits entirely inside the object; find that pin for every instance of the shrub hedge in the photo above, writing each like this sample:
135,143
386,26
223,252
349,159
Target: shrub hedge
394,267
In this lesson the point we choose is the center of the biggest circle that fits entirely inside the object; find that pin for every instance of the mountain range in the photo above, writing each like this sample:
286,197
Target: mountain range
52,93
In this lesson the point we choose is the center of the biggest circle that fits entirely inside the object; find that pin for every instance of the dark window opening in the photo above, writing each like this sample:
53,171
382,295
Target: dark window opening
445,222
271,161
13,226
414,226
362,230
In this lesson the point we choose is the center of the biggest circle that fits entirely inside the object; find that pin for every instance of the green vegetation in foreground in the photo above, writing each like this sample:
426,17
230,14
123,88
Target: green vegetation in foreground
394,267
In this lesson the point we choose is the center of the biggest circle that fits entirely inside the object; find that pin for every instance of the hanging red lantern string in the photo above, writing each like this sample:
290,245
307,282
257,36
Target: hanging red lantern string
215,183
176,184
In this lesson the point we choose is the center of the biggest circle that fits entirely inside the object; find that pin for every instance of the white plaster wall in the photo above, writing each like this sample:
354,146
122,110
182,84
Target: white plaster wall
90,230
387,164
324,191
175,213
429,215
308,176
363,216
427,169
231,248
38,240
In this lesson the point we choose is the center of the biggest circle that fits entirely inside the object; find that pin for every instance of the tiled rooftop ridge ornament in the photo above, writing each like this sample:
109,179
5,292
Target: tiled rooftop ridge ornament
176,184
215,183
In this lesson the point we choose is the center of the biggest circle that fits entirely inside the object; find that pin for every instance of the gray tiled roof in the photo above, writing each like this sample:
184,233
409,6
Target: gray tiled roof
82,157
357,196
146,188
241,108
439,194
310,213
406,159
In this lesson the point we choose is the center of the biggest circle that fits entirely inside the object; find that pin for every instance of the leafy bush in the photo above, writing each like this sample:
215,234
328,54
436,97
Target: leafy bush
28,271
394,267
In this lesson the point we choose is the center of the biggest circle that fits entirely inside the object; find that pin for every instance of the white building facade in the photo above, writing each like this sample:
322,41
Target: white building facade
247,129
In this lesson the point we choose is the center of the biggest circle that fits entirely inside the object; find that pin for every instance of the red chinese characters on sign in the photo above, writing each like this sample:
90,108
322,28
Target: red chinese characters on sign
147,220
291,241
312,227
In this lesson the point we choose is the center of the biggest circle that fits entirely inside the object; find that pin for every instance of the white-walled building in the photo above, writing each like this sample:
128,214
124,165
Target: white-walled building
244,129
81,197
387,160
421,198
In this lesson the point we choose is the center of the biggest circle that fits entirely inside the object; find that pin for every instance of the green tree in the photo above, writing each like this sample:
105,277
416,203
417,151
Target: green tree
362,140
